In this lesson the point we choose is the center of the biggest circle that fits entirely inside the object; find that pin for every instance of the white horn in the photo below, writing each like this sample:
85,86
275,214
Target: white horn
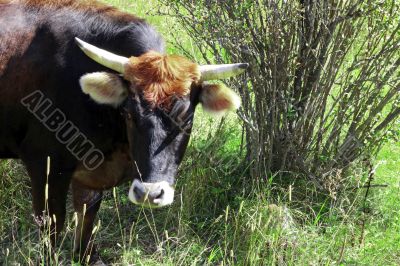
103,57
211,72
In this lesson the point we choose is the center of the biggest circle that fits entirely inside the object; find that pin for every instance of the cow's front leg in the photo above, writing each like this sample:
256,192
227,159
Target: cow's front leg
86,203
49,200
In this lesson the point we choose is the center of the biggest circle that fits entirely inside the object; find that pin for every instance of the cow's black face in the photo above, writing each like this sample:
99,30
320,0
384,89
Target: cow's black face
158,138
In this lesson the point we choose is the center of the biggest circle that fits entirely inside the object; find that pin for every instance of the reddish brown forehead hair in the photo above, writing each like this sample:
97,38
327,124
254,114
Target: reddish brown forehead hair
161,78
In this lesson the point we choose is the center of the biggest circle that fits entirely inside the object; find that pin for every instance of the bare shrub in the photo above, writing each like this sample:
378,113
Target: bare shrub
323,91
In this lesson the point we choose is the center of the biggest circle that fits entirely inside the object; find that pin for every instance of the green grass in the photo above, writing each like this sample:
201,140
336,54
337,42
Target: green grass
219,219
383,235
220,216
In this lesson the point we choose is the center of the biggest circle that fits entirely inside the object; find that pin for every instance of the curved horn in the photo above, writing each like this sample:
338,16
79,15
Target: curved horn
103,57
211,72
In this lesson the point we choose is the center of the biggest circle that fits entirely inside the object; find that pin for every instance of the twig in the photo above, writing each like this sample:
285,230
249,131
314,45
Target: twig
364,218
368,187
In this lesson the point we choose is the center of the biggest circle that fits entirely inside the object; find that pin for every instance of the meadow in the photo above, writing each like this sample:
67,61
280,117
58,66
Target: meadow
218,218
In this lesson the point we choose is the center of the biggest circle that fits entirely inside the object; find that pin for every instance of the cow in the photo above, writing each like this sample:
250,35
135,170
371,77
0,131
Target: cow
89,99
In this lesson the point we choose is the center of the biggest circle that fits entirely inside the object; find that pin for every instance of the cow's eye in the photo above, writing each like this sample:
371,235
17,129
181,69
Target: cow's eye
128,116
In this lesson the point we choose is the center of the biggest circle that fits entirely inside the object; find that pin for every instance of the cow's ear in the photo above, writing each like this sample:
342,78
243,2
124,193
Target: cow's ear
217,98
104,88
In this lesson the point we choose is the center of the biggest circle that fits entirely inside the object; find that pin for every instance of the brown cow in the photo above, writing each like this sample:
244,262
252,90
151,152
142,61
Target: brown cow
120,110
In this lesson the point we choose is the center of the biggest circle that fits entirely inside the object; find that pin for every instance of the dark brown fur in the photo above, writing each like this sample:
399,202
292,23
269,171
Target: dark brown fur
111,173
84,6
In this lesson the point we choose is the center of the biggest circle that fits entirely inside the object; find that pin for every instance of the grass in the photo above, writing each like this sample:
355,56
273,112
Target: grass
220,217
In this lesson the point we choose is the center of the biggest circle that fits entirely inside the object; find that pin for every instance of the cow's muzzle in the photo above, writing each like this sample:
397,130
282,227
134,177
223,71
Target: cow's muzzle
152,195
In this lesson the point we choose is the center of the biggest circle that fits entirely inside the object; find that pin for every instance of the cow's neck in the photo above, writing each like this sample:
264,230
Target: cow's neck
115,169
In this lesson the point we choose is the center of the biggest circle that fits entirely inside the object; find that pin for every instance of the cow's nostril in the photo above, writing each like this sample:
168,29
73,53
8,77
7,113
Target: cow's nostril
161,194
139,192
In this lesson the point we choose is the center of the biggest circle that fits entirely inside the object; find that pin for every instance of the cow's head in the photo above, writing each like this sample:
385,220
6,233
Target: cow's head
158,95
